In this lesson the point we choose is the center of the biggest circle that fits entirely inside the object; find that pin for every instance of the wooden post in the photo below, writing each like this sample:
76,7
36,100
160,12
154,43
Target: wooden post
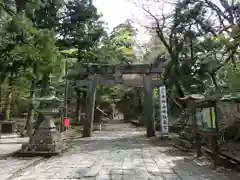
148,105
198,145
197,135
214,140
214,145
90,106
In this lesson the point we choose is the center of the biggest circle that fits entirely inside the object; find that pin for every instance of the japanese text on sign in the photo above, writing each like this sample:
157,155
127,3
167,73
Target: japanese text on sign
163,110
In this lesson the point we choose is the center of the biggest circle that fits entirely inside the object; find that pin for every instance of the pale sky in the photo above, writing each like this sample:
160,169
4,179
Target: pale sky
118,11
114,11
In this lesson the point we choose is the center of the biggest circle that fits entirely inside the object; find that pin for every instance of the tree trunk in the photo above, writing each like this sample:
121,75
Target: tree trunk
78,107
1,98
30,115
43,92
139,96
214,81
2,79
7,107
80,115
44,85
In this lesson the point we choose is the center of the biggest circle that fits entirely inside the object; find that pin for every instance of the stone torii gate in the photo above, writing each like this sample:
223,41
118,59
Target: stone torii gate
114,74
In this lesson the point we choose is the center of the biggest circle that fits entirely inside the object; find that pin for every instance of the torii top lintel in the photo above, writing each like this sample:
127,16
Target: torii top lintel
152,68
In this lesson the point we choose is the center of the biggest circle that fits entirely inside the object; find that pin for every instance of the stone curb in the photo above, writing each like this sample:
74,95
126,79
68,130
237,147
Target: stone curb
12,142
2,137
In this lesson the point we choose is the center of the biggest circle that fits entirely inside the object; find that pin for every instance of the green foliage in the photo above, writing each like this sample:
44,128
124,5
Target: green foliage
119,46
232,75
47,15
38,37
38,48
80,25
27,55
201,41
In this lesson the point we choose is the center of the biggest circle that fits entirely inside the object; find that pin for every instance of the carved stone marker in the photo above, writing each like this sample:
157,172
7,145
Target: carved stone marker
88,124
46,139
148,105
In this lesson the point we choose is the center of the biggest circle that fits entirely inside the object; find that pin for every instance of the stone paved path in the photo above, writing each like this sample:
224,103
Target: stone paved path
9,166
121,151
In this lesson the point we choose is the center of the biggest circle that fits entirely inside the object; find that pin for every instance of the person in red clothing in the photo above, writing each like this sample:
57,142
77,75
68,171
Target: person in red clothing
66,122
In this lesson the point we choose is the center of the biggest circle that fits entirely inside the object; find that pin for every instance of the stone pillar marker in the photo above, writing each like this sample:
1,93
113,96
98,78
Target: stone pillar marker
90,106
46,140
148,105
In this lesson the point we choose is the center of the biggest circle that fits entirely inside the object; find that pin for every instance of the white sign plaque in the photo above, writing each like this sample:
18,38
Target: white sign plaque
163,111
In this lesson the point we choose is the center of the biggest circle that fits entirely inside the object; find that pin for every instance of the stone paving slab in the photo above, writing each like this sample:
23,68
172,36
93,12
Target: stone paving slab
121,152
14,140
10,166
10,145
7,149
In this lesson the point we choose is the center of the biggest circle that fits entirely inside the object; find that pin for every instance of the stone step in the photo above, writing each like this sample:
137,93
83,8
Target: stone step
10,135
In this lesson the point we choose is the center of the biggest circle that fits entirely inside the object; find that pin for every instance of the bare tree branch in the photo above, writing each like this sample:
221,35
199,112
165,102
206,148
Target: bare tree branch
228,59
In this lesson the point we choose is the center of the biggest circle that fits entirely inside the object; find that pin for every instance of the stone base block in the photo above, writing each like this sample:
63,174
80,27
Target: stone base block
97,127
28,151
142,120
164,137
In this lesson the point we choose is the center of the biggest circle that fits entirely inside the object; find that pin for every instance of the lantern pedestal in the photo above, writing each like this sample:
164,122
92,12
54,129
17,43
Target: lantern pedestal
45,140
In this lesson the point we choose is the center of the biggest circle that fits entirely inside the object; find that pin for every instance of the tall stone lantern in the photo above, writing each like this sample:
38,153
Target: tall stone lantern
46,139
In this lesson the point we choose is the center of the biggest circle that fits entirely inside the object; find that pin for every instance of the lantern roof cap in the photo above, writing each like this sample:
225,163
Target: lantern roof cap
193,97
231,96
51,98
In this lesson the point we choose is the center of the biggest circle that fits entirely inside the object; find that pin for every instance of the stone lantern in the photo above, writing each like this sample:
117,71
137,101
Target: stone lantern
46,139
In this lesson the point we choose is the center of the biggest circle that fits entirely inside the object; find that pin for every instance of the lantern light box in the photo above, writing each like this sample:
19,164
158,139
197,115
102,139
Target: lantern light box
206,119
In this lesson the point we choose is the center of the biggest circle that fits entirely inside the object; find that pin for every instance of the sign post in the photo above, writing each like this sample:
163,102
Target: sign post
163,111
